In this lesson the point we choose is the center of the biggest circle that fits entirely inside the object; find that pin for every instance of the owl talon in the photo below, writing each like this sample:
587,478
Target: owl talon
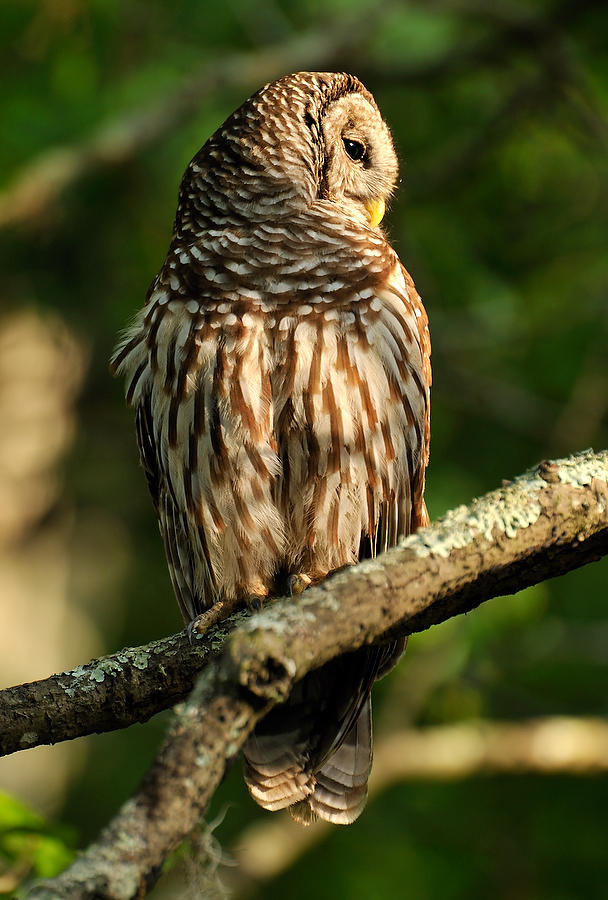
192,628
220,610
297,584
254,602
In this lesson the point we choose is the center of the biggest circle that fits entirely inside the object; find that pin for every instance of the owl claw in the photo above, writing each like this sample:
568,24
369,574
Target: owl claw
220,610
254,602
296,584
191,628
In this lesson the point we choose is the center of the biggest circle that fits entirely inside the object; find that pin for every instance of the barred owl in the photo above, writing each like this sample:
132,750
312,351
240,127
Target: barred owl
280,376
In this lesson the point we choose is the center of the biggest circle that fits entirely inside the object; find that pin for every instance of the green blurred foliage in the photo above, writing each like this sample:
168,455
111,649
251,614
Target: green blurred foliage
499,115
29,846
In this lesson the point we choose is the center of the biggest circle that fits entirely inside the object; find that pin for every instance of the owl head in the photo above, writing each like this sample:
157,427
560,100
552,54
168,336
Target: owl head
308,138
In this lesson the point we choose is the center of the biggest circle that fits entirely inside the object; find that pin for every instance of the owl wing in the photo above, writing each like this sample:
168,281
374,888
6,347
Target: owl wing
155,391
173,527
420,516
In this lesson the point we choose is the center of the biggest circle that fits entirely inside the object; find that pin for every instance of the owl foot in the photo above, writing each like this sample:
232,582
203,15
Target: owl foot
254,602
217,613
296,584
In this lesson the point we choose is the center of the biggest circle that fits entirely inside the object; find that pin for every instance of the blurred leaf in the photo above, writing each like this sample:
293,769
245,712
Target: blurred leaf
28,847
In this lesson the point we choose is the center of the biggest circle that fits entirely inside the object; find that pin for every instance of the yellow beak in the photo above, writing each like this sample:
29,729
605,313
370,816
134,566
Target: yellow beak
376,209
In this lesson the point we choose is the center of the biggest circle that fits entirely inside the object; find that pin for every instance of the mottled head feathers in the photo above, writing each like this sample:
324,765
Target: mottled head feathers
306,137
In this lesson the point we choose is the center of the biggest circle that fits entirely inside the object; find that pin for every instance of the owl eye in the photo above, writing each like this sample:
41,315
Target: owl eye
355,149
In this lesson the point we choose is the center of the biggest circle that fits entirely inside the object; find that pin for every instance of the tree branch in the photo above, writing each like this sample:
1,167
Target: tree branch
548,521
126,859
105,694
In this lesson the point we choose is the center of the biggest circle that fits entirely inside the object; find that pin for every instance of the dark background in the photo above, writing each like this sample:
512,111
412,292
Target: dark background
499,114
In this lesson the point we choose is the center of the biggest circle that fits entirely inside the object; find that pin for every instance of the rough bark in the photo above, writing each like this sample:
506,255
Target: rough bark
105,694
126,859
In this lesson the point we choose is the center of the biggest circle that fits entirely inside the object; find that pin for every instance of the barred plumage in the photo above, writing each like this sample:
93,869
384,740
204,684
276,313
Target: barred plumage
280,375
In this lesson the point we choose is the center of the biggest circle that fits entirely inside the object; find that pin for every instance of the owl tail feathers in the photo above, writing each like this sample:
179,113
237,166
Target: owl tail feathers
340,790
274,786
273,775
337,792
